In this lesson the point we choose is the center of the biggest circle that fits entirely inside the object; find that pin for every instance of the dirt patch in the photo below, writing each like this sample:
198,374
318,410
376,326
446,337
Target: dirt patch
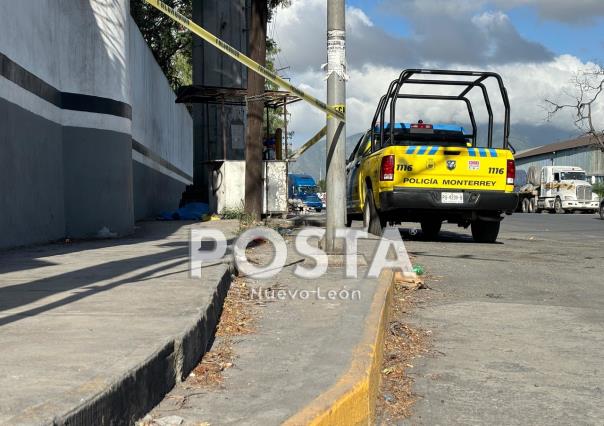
402,344
239,317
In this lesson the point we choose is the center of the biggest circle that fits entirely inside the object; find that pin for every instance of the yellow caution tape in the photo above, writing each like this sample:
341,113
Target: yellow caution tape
241,58
338,107
316,138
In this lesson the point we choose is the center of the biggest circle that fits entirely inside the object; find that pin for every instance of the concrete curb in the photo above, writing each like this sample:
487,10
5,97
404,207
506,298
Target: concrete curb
351,401
135,393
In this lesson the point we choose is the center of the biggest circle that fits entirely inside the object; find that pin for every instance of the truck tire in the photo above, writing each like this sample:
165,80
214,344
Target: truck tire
371,217
485,231
602,211
525,205
431,229
558,206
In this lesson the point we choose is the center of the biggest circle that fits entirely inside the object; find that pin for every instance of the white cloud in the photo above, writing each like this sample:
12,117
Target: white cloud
527,85
355,14
301,33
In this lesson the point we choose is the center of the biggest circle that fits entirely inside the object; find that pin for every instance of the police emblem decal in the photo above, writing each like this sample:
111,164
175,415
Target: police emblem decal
451,164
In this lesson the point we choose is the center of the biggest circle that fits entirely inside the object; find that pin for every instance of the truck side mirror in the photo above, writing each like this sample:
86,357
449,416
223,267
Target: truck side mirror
557,177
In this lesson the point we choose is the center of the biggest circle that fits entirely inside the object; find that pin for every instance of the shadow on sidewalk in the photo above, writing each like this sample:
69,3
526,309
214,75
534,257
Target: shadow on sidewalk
29,257
85,279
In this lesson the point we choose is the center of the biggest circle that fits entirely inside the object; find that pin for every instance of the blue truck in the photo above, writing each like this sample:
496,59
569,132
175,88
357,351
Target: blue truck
304,188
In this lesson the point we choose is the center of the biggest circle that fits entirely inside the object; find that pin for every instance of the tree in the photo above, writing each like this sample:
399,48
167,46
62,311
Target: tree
588,86
261,11
171,45
275,116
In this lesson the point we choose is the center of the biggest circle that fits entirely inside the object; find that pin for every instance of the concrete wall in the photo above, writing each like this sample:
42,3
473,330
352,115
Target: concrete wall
88,123
162,133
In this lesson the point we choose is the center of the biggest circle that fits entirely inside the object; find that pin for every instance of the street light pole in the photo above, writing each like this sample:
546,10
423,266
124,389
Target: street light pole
336,130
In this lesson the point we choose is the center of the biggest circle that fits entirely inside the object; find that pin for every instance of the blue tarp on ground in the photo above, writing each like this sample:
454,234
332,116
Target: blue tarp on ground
192,211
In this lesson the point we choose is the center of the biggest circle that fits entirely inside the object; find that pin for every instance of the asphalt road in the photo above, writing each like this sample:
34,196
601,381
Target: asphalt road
518,326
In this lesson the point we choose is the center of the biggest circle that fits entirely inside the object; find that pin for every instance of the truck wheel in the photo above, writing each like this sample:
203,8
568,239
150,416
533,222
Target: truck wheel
558,206
371,218
526,205
318,209
485,231
602,211
431,229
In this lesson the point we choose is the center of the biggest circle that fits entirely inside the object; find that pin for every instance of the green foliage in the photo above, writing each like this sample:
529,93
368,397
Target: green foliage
273,4
275,116
246,220
598,188
171,45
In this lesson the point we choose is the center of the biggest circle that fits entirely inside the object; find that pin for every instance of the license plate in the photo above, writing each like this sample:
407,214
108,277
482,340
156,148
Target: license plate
451,197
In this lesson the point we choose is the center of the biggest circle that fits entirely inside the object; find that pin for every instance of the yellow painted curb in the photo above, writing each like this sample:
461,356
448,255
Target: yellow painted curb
351,401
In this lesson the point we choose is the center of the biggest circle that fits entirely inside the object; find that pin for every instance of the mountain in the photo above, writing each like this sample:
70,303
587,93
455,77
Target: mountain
522,137
312,162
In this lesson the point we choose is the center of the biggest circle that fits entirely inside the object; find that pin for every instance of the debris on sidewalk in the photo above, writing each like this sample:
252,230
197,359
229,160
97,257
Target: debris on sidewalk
419,269
402,343
105,233
162,421
238,318
239,314
410,281
208,372
191,211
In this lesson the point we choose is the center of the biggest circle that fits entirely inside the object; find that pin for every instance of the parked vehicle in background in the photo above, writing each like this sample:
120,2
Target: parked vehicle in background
558,189
526,185
431,173
304,188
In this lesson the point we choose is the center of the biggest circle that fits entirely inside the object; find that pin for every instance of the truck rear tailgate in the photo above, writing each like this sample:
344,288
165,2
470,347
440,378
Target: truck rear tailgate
460,168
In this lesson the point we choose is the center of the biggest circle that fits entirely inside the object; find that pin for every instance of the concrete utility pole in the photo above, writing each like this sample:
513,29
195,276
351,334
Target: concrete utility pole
336,130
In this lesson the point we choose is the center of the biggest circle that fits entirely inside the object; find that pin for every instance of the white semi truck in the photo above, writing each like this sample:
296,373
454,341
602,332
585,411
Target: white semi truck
558,189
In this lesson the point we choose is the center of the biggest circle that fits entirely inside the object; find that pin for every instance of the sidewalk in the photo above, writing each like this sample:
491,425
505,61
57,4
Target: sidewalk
309,359
102,329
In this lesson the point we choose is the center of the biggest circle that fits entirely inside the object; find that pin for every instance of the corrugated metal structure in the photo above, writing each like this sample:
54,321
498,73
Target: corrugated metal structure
581,152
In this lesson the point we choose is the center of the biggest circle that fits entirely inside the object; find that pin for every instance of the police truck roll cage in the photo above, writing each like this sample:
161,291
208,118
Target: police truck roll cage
394,93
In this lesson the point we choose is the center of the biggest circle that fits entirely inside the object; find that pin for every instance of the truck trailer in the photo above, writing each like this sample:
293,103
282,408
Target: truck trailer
557,189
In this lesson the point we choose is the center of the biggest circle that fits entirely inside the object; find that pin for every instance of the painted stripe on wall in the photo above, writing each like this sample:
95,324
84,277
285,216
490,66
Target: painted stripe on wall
63,100
28,101
15,94
140,158
140,148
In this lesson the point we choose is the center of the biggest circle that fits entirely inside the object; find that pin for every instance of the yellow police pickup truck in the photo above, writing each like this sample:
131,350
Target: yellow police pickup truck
431,173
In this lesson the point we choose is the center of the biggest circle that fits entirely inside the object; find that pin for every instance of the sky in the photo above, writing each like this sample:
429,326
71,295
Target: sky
538,46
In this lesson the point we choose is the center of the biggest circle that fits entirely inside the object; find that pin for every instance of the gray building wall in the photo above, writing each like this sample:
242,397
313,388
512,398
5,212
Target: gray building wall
77,85
589,158
162,134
